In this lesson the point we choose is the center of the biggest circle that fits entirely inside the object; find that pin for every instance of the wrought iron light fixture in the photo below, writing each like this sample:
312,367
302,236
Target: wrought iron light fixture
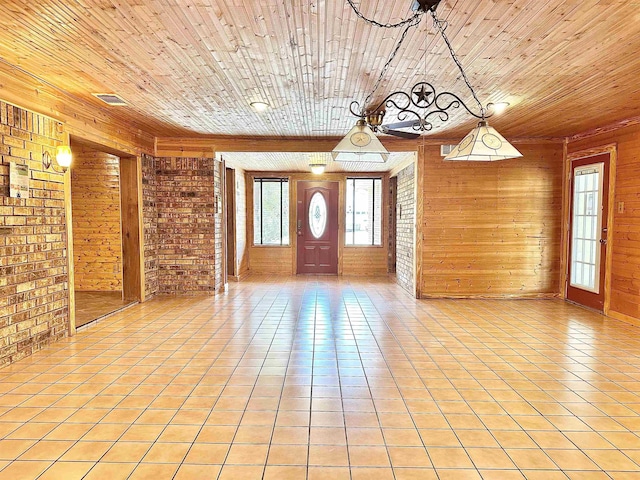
418,108
63,159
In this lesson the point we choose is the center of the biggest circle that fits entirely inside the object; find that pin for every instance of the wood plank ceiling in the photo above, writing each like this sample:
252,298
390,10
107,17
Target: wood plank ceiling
188,67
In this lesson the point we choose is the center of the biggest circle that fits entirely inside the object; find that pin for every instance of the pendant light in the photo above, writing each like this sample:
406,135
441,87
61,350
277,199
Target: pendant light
422,103
483,144
360,145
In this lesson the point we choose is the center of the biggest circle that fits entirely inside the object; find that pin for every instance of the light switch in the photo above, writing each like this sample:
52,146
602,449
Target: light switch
620,207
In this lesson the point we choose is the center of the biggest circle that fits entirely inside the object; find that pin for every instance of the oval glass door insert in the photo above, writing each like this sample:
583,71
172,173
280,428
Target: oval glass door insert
317,215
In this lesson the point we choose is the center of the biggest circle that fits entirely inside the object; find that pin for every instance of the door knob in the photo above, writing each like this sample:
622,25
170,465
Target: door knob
603,241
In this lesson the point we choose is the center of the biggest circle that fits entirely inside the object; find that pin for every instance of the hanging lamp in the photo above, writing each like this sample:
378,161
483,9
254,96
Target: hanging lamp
422,105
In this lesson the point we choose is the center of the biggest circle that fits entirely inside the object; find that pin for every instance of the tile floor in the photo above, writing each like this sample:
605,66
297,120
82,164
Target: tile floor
93,305
329,379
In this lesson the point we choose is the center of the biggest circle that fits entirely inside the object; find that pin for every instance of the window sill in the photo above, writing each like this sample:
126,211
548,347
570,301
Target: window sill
363,246
271,246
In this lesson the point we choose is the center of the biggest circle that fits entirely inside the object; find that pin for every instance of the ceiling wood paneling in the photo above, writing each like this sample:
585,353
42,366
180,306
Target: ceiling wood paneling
299,162
190,67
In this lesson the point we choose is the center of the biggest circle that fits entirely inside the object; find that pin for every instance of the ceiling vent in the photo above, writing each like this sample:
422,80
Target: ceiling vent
110,99
446,149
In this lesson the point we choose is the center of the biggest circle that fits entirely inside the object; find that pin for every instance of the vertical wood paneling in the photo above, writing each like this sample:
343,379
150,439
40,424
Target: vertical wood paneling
95,196
132,228
625,251
493,229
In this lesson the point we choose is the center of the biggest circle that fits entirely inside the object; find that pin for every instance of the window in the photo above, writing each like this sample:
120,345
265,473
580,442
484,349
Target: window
270,211
364,211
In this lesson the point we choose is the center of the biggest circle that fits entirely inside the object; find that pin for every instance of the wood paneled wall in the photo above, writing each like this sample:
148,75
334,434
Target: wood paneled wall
351,260
493,229
625,274
95,197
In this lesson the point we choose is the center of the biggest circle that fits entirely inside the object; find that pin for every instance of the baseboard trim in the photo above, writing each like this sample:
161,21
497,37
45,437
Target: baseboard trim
624,318
496,296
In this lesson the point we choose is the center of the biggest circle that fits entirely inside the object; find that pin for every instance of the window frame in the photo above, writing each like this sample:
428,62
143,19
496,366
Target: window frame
267,179
382,215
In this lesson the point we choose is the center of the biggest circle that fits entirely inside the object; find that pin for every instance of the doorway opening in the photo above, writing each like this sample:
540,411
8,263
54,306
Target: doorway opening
105,232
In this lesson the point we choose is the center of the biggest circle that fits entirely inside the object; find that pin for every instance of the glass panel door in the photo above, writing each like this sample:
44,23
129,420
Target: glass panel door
587,225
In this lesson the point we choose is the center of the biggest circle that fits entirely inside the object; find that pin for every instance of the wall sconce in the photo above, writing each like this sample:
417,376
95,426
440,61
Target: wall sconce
63,159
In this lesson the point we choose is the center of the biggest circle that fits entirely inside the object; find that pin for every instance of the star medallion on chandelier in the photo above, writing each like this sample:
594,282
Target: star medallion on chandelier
422,95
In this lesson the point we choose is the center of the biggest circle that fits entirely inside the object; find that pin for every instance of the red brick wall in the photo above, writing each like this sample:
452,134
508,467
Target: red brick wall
186,225
33,264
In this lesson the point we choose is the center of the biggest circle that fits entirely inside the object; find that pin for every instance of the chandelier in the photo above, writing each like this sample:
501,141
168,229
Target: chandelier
419,107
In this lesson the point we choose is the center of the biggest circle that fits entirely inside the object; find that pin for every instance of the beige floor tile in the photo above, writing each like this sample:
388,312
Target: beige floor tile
328,473
288,455
612,460
408,457
253,434
126,452
89,451
368,456
24,470
207,453
327,436
236,472
415,474
197,472
149,471
274,472
571,460
112,471
240,454
490,458
47,450
372,474
328,455
449,458
67,471
166,453
290,435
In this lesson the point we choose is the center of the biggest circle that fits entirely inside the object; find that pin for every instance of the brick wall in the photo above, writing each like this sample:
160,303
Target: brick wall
185,190
33,263
95,198
405,221
150,220
218,219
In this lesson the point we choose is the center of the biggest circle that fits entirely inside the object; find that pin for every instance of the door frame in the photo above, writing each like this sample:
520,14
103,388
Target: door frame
293,220
131,225
612,150
231,264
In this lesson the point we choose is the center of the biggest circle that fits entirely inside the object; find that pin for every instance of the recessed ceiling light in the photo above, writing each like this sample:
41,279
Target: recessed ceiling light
260,106
499,107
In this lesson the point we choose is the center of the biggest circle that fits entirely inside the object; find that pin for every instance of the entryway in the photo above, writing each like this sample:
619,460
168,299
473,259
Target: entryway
105,232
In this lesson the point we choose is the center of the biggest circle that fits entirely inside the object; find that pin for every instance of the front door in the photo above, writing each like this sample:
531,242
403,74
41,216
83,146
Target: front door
317,227
588,231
